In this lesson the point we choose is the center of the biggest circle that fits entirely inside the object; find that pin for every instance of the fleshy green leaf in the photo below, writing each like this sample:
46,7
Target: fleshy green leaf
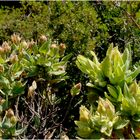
67,57
121,123
45,47
112,91
106,66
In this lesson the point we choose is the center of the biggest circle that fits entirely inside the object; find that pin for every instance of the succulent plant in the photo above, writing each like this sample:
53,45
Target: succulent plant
114,69
100,123
117,113
21,61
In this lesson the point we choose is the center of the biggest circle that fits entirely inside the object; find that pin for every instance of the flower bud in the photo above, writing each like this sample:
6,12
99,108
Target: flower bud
84,113
1,68
9,113
6,47
24,44
13,58
63,136
23,74
78,86
54,46
76,89
43,38
31,44
62,48
106,108
2,101
13,120
15,38
30,91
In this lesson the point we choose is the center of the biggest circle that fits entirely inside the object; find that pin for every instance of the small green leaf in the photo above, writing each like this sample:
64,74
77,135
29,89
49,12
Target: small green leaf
89,84
20,131
66,58
110,98
120,95
37,121
126,58
106,66
125,55
109,49
18,88
57,72
121,123
95,60
136,118
45,47
82,67
135,73
83,129
4,82
16,67
2,61
112,91
126,90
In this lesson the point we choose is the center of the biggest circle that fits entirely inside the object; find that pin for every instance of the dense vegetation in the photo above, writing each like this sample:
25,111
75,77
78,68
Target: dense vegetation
57,57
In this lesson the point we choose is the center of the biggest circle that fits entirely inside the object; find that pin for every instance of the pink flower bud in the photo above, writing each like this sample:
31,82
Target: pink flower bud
6,47
13,58
15,38
9,113
24,44
43,38
31,44
54,46
62,46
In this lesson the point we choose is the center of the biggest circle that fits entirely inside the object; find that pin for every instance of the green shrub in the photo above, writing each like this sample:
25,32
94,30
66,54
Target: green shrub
115,112
121,21
30,74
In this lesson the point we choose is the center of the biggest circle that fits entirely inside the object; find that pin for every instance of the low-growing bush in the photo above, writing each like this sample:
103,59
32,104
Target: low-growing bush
114,97
30,74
